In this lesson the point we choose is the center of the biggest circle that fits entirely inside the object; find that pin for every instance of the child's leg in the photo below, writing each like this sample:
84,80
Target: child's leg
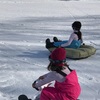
50,93
75,44
57,44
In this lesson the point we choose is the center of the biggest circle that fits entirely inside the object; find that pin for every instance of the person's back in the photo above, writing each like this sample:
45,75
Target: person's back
75,37
70,87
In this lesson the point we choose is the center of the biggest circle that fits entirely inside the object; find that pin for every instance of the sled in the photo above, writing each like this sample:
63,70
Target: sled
84,51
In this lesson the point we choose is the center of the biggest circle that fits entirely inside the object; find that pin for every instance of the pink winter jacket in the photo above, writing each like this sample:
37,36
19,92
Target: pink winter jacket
70,87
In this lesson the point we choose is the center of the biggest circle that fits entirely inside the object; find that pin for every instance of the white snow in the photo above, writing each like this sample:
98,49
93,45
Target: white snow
24,26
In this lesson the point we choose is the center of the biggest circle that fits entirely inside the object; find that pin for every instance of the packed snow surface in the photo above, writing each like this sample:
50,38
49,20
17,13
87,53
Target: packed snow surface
24,26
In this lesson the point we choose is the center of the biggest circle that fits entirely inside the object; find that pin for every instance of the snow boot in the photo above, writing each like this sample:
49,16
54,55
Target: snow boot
49,44
23,97
55,39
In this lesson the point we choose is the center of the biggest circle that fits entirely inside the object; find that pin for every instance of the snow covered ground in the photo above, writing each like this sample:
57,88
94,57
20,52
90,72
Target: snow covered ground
24,26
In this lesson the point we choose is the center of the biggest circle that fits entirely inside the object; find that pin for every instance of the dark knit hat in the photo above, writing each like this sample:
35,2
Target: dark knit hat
76,25
58,56
23,97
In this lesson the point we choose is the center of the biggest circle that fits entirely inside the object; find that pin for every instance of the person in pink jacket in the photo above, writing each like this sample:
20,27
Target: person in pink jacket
66,85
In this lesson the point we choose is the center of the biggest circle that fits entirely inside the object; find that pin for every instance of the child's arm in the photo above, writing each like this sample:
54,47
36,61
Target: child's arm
69,41
43,76
49,77
42,80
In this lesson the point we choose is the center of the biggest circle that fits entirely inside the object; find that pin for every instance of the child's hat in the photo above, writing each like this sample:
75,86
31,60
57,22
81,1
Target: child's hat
58,56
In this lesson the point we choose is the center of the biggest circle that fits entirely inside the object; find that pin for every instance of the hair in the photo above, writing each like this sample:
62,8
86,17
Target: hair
77,26
79,34
52,67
